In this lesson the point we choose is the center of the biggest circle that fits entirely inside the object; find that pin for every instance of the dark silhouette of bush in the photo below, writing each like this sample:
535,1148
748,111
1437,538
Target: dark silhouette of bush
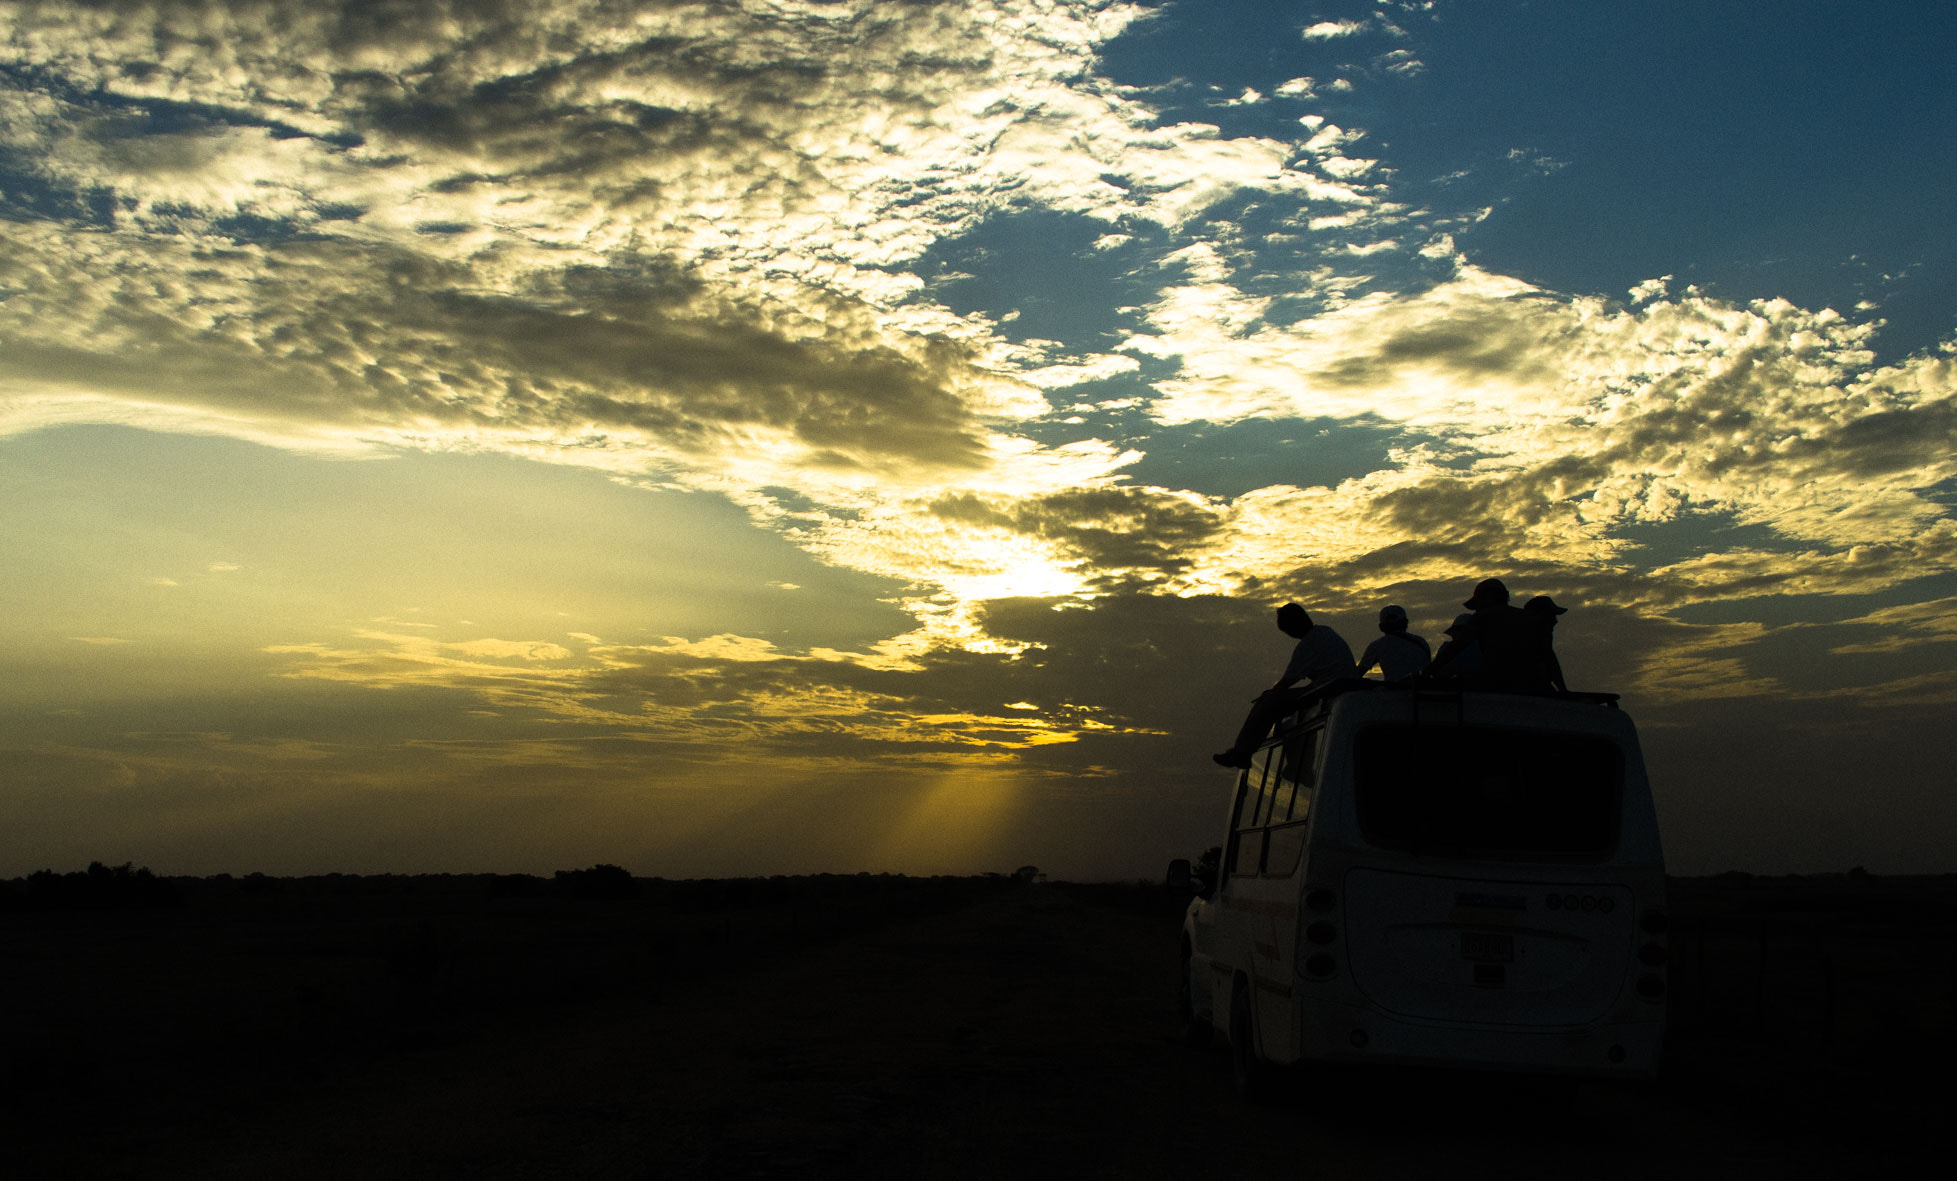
600,881
99,887
258,883
517,885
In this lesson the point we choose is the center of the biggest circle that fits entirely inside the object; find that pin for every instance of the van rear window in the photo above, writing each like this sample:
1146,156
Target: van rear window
1487,792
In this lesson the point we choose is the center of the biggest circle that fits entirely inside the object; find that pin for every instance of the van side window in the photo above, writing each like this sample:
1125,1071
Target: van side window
1296,774
1253,811
1264,773
1284,846
1246,795
1244,816
1246,810
1301,757
1250,851
1284,788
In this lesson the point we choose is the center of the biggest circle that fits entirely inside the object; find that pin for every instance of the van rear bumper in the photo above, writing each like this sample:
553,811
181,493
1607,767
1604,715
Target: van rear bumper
1360,1033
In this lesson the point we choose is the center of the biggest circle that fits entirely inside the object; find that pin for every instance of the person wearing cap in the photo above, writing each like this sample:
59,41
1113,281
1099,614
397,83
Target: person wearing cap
1398,652
1541,613
1322,655
1503,639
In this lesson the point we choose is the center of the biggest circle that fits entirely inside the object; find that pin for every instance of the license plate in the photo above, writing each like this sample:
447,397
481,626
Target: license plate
1487,947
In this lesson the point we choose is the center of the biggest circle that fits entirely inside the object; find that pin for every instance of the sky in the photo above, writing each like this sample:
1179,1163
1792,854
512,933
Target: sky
783,436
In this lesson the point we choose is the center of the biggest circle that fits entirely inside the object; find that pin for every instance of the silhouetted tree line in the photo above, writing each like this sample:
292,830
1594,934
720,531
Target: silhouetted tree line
720,894
600,881
99,887
106,887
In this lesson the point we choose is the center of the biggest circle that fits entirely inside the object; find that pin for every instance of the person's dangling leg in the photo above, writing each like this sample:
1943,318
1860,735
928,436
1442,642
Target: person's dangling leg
1270,705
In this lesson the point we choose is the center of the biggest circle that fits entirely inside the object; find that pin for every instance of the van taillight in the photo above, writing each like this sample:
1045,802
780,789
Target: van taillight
1322,933
1652,952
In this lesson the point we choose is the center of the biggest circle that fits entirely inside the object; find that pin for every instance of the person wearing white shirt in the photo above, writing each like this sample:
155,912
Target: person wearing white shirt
1322,655
1398,652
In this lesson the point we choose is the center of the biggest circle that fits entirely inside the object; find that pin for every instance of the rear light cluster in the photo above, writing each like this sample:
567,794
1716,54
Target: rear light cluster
1652,953
1321,933
1583,902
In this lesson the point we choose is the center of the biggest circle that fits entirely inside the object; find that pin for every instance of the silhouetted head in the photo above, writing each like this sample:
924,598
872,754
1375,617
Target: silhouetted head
1293,621
1463,625
1489,592
1393,619
1543,609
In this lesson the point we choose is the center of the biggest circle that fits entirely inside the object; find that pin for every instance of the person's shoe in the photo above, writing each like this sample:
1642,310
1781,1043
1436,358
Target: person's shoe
1231,758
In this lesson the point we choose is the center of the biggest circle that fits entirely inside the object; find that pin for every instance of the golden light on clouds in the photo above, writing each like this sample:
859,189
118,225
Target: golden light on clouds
632,390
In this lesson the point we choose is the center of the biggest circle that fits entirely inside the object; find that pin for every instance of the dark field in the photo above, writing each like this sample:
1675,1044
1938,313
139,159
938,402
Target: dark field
885,1027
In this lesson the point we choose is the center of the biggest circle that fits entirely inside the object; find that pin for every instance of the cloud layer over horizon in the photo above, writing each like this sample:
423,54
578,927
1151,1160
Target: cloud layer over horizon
961,301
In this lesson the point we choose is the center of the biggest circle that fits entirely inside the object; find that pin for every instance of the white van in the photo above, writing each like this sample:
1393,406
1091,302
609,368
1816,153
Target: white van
1437,877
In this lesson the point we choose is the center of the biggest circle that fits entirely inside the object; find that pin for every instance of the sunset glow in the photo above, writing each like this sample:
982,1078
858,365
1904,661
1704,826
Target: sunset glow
788,436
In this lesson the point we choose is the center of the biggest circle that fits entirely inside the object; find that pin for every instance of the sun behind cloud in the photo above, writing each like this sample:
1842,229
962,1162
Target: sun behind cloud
999,352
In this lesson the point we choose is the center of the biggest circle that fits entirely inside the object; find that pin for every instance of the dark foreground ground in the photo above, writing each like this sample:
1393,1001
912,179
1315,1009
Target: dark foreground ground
888,1027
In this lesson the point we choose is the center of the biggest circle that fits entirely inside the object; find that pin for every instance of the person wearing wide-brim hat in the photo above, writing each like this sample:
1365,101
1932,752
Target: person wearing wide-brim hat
1490,594
1544,605
1502,638
1541,612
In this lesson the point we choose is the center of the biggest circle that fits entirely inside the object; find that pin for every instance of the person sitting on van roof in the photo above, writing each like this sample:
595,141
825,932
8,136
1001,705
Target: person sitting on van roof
1321,655
1541,612
1398,652
1460,656
1505,639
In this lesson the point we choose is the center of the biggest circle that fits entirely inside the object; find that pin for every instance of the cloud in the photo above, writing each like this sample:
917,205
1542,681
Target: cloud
709,695
326,341
1401,62
661,242
1250,97
1539,423
1330,30
1120,533
1904,628
748,251
737,649
688,245
1651,289
1707,666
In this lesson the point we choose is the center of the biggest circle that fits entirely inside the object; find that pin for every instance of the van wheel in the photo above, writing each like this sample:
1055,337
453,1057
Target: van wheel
1248,1072
1195,1030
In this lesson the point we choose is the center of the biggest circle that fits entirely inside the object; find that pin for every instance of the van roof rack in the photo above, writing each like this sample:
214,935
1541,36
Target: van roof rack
1319,694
